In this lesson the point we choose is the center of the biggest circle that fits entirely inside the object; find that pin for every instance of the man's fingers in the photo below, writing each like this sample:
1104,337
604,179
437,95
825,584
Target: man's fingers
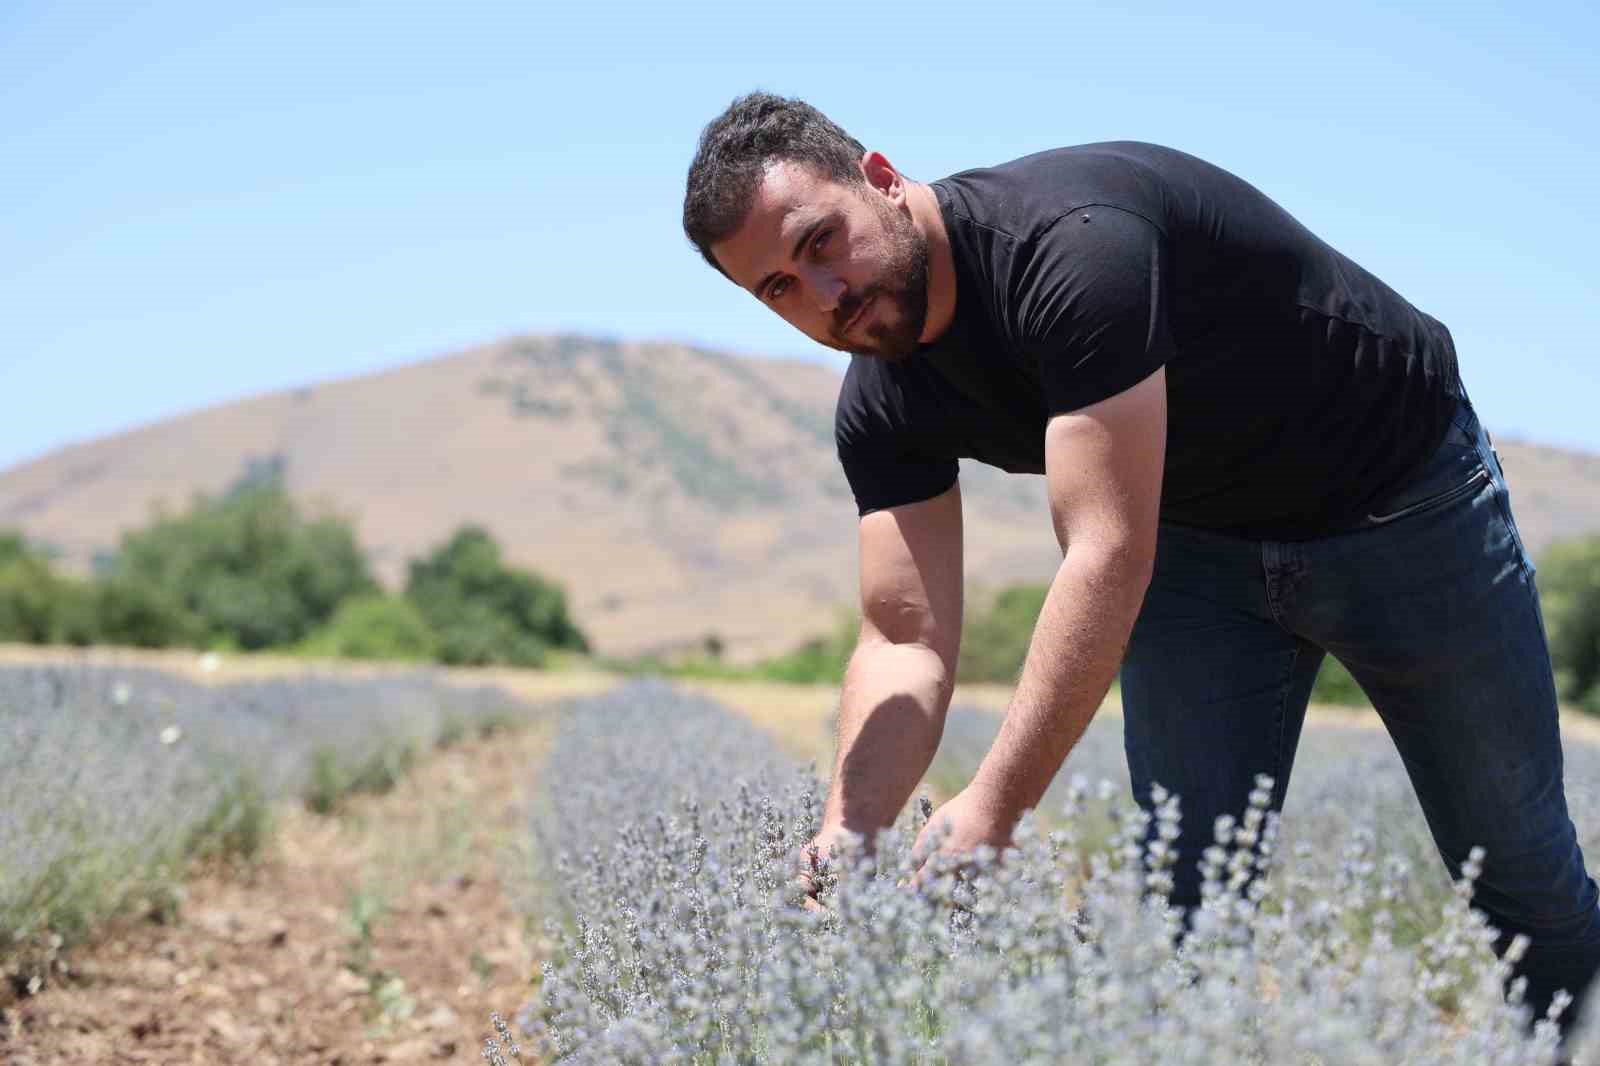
806,881
808,898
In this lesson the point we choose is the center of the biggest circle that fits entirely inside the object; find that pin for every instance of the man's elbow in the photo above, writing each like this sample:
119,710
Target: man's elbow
1125,564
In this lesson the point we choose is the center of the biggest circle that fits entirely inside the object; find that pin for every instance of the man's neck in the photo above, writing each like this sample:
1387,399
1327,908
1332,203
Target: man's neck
925,214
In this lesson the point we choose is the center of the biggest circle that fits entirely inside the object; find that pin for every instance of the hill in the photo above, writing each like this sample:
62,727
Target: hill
676,491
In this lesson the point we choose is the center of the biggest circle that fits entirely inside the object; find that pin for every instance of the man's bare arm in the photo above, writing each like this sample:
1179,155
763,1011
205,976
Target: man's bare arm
891,716
898,684
1103,467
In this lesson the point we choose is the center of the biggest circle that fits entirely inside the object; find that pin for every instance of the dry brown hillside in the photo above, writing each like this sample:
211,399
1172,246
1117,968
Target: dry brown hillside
675,491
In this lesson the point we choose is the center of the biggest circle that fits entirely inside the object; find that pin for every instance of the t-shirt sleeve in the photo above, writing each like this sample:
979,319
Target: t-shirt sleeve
881,480
885,463
1091,305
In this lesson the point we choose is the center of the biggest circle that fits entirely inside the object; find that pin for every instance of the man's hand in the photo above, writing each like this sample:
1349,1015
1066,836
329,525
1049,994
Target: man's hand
812,856
972,819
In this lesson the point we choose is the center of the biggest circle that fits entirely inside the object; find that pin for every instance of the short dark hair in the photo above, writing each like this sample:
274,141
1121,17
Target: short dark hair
735,149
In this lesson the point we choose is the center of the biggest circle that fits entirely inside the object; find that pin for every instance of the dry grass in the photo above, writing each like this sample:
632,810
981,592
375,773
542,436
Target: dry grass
531,685
799,715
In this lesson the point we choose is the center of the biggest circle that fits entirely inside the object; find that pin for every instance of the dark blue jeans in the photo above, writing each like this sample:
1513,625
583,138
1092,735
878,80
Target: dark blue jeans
1429,601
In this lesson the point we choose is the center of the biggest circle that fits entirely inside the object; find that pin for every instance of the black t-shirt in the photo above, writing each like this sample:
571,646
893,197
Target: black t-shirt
1299,386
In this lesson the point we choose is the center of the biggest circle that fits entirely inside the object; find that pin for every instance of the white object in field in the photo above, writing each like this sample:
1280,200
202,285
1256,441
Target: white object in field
210,661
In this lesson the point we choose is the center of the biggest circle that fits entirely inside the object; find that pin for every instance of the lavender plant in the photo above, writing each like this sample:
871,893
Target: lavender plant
111,778
669,829
1348,784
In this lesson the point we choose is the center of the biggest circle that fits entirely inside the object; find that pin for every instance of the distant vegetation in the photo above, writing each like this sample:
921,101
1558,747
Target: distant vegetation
484,611
247,571
994,642
1569,587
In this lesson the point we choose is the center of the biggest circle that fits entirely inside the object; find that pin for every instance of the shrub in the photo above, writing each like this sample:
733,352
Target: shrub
1569,586
139,612
246,565
28,594
36,605
1335,685
483,611
375,627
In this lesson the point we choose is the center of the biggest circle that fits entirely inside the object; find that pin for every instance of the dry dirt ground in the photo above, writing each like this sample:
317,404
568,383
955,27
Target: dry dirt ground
384,934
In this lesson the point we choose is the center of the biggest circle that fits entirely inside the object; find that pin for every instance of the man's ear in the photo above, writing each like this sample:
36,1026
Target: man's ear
882,176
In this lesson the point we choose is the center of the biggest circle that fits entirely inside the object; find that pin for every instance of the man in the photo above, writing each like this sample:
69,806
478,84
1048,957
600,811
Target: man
1255,453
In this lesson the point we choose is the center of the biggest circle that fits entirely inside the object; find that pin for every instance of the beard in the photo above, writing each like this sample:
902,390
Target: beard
900,294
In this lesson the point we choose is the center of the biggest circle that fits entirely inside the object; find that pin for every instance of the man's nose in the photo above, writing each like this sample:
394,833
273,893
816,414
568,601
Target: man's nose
826,287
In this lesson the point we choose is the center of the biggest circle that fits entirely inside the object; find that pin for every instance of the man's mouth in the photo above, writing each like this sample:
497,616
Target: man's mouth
848,326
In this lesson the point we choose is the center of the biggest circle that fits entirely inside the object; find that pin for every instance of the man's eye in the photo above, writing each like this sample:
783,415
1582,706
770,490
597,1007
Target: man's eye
777,288
822,237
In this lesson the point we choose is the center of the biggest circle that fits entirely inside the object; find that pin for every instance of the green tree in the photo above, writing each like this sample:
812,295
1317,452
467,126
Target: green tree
29,593
37,605
13,546
1569,594
1335,685
484,611
375,627
246,566
136,611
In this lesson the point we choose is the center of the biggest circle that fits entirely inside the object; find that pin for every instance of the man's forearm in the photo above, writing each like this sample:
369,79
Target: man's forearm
1077,646
891,715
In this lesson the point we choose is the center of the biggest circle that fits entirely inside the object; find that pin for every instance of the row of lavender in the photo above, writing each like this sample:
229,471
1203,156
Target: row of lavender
668,834
1348,784
113,779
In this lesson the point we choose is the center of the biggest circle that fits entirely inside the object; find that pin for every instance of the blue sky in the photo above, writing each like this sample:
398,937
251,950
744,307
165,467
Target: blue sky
200,202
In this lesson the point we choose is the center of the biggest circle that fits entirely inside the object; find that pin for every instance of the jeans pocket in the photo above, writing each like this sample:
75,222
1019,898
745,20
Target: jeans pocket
1480,475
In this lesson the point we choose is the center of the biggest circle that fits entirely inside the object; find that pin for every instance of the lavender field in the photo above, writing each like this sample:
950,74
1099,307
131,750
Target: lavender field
114,779
662,837
668,827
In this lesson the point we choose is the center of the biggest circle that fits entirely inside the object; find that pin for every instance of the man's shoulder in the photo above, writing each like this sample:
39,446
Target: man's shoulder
1025,196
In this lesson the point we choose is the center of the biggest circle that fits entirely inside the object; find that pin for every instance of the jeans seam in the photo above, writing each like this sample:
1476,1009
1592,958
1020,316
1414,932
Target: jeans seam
1268,589
1277,740
1502,503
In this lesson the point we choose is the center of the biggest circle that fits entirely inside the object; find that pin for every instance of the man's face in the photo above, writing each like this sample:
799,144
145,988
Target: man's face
844,264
